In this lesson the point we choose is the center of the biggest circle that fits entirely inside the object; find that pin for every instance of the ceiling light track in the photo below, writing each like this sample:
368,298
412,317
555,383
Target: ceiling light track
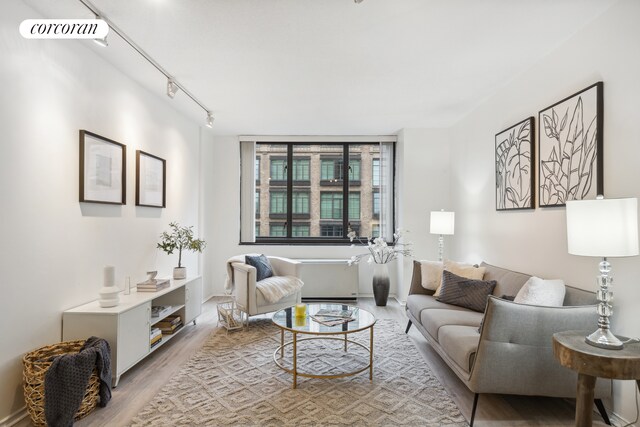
171,81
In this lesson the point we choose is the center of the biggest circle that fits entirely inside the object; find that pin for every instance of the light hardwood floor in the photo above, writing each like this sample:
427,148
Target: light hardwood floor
141,383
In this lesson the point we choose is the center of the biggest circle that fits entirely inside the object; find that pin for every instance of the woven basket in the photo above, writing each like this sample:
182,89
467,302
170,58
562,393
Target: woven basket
36,363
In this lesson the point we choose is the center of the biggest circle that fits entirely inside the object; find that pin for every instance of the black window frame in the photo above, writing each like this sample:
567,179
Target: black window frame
290,184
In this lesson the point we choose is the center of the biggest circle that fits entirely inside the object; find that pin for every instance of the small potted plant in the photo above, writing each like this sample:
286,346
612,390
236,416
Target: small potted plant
180,238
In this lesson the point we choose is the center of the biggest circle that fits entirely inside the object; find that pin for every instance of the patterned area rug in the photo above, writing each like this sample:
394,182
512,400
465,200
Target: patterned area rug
233,380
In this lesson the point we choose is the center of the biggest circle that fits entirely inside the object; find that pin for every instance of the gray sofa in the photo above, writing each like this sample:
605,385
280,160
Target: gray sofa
512,353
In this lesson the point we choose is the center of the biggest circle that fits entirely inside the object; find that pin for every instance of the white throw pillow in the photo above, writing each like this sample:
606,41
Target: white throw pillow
431,272
538,291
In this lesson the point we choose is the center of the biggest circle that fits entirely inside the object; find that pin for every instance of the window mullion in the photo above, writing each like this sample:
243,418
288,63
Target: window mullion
289,191
345,189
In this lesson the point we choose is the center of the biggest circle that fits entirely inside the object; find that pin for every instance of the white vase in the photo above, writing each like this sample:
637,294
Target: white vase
180,273
381,284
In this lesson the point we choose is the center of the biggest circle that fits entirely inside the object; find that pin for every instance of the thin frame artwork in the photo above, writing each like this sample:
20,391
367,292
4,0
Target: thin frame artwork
151,180
570,148
103,165
514,156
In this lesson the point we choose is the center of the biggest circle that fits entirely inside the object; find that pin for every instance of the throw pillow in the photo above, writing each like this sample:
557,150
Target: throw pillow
465,270
262,265
464,292
431,272
539,291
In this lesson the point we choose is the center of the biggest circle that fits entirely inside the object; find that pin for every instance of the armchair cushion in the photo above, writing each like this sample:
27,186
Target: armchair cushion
261,264
275,288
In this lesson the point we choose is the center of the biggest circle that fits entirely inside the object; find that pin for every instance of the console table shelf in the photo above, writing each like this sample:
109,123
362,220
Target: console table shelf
127,326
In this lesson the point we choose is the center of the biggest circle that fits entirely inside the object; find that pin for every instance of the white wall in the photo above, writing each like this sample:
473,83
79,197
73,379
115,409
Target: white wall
53,247
535,241
423,186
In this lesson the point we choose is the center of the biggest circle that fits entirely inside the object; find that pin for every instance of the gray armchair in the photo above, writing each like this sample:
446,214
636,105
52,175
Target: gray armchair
249,299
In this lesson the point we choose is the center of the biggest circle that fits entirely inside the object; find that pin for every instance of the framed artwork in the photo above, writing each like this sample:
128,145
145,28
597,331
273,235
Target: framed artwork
102,169
151,179
571,148
515,167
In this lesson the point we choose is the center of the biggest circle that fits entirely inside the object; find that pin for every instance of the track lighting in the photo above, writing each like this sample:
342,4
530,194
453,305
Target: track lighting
172,85
172,88
357,1
102,42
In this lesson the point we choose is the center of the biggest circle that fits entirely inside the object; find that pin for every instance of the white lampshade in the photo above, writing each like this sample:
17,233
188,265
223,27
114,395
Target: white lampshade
603,227
442,222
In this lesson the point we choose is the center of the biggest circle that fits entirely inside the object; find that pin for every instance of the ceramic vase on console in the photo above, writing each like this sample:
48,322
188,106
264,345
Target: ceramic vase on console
109,291
381,284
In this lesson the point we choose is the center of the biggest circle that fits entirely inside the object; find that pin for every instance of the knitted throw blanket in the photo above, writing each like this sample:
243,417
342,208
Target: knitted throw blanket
67,378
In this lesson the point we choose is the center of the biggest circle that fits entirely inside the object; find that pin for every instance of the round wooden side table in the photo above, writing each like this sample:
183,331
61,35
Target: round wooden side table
591,362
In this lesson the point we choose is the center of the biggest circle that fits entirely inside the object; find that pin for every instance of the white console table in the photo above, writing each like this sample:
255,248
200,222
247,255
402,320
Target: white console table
127,326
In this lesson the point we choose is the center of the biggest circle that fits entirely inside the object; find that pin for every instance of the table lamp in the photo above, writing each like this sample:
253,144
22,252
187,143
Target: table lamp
442,223
603,228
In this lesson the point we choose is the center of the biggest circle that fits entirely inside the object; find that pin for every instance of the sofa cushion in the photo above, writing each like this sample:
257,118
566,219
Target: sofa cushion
435,318
471,294
431,273
460,343
538,291
418,302
508,282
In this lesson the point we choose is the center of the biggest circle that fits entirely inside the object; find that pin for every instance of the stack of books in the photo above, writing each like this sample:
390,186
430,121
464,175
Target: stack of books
155,337
169,324
153,285
333,317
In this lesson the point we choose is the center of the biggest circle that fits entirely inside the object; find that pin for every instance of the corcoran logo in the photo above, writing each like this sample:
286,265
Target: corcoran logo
64,29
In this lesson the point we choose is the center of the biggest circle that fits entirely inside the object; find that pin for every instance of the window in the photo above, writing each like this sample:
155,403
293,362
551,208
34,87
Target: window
300,202
376,204
300,230
375,230
301,168
303,196
278,169
331,205
257,204
375,173
277,202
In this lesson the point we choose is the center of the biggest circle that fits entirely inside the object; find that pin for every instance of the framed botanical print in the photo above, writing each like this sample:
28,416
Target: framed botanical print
570,148
151,180
515,167
102,169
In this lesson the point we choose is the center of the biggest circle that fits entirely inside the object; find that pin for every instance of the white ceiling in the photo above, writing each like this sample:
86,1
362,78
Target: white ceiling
323,67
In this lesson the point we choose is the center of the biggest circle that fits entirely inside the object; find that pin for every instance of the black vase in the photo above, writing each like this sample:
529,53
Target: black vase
381,284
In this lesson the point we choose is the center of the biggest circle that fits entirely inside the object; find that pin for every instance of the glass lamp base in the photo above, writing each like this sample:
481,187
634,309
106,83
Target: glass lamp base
603,338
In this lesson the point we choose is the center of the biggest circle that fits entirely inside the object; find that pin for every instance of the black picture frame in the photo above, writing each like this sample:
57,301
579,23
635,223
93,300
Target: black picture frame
151,180
515,166
570,148
103,166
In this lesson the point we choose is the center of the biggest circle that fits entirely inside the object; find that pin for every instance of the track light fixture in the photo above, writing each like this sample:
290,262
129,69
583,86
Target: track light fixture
101,42
357,1
172,85
172,88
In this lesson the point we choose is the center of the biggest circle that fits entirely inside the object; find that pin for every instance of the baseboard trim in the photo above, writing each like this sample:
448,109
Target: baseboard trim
13,419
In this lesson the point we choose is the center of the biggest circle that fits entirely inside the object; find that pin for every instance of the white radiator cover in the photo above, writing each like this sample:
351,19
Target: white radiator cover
328,278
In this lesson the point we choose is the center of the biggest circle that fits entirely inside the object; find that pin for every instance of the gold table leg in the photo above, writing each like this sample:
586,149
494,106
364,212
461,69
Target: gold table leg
371,354
281,342
295,360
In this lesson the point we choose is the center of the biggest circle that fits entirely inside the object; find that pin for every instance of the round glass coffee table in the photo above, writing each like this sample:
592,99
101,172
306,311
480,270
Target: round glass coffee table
286,320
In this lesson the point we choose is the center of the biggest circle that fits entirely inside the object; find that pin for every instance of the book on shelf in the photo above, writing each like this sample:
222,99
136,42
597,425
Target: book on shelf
332,321
325,312
160,310
169,321
153,285
170,330
154,342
